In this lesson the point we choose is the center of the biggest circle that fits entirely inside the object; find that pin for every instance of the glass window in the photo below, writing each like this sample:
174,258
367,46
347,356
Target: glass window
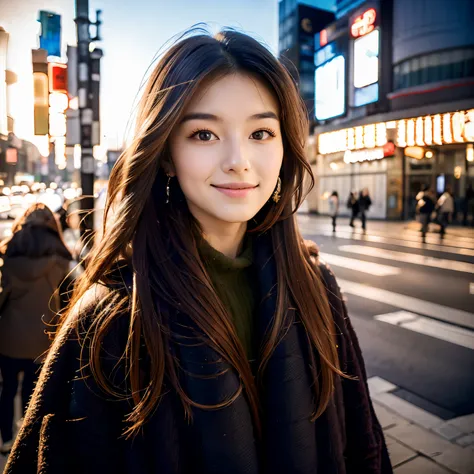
405,72
414,77
424,76
434,67
396,77
468,68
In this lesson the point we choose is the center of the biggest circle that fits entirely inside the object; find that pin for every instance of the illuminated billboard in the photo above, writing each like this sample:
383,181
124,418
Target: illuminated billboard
366,68
330,100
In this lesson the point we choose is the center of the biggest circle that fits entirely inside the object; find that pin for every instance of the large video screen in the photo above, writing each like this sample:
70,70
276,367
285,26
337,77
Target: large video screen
330,95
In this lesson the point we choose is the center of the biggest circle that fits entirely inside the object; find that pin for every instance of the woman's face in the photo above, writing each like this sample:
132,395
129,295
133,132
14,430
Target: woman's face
227,150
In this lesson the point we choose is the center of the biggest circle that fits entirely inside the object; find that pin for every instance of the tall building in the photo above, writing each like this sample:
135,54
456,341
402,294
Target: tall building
394,104
343,7
299,23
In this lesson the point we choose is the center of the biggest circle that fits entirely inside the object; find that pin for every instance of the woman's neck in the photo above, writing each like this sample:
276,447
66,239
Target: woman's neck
228,240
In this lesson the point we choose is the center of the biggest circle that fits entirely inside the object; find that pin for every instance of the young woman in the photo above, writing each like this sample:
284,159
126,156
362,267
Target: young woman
205,336
35,260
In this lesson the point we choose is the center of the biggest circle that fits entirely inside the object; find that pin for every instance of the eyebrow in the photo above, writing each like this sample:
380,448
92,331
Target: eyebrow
215,118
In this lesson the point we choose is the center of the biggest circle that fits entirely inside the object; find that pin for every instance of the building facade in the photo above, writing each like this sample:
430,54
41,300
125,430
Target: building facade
394,107
18,157
298,24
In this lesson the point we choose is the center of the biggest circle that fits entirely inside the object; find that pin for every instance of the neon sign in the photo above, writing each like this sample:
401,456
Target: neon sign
364,23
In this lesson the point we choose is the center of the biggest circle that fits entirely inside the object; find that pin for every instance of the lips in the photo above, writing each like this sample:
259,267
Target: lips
235,190
235,186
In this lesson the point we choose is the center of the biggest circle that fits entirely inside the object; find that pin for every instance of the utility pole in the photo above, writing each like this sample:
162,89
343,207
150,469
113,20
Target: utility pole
88,76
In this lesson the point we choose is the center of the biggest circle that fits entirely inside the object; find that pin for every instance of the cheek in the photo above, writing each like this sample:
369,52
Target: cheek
193,164
268,164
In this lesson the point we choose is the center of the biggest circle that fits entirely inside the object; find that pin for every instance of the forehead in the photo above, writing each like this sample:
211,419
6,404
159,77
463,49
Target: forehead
234,94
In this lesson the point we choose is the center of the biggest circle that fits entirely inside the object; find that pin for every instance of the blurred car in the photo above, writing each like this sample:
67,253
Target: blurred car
18,205
4,207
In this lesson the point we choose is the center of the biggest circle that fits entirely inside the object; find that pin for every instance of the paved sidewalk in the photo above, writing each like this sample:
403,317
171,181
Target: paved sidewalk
419,442
415,450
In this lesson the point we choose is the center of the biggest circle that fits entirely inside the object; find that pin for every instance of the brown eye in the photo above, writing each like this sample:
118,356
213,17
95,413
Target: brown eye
260,135
205,136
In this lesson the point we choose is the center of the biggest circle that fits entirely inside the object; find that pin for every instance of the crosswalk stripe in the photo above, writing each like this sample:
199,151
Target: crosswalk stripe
417,259
391,241
409,235
409,303
430,327
376,269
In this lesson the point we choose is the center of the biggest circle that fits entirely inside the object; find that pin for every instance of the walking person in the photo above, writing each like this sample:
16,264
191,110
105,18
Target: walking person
353,205
364,205
445,206
469,205
205,335
425,205
35,261
334,208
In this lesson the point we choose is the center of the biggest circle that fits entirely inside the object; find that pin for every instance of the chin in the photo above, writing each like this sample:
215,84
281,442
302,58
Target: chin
236,216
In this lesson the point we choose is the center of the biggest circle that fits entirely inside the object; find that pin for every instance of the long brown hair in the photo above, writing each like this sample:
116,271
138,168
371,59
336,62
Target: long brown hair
163,238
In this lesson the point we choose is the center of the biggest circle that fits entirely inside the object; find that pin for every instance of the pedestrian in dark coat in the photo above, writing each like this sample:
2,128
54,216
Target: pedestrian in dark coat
353,205
205,336
426,202
364,205
35,260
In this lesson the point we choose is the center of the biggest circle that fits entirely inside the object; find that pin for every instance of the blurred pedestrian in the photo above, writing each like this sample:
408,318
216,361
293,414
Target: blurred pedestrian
445,208
334,208
364,206
469,205
353,205
426,202
35,260
205,335
63,215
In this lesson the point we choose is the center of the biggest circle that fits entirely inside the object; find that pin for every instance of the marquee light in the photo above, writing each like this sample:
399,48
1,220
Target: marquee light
437,135
428,131
438,129
411,132
419,131
470,153
356,138
364,23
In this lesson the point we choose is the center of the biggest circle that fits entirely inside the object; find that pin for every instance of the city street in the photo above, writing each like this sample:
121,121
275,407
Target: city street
412,305
431,284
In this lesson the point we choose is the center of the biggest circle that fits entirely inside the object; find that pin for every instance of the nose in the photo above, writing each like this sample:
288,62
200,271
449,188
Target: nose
236,157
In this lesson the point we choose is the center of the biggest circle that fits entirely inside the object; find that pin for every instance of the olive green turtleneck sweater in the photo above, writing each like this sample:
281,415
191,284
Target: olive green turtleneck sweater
234,283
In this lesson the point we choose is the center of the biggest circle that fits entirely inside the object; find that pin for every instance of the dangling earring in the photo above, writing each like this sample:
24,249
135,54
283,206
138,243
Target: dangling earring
168,189
276,195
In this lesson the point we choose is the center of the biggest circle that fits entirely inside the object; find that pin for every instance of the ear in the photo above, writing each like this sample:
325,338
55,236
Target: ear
168,166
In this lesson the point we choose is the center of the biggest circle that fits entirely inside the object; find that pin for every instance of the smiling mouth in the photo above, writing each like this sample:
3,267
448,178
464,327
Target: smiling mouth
235,190
232,186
